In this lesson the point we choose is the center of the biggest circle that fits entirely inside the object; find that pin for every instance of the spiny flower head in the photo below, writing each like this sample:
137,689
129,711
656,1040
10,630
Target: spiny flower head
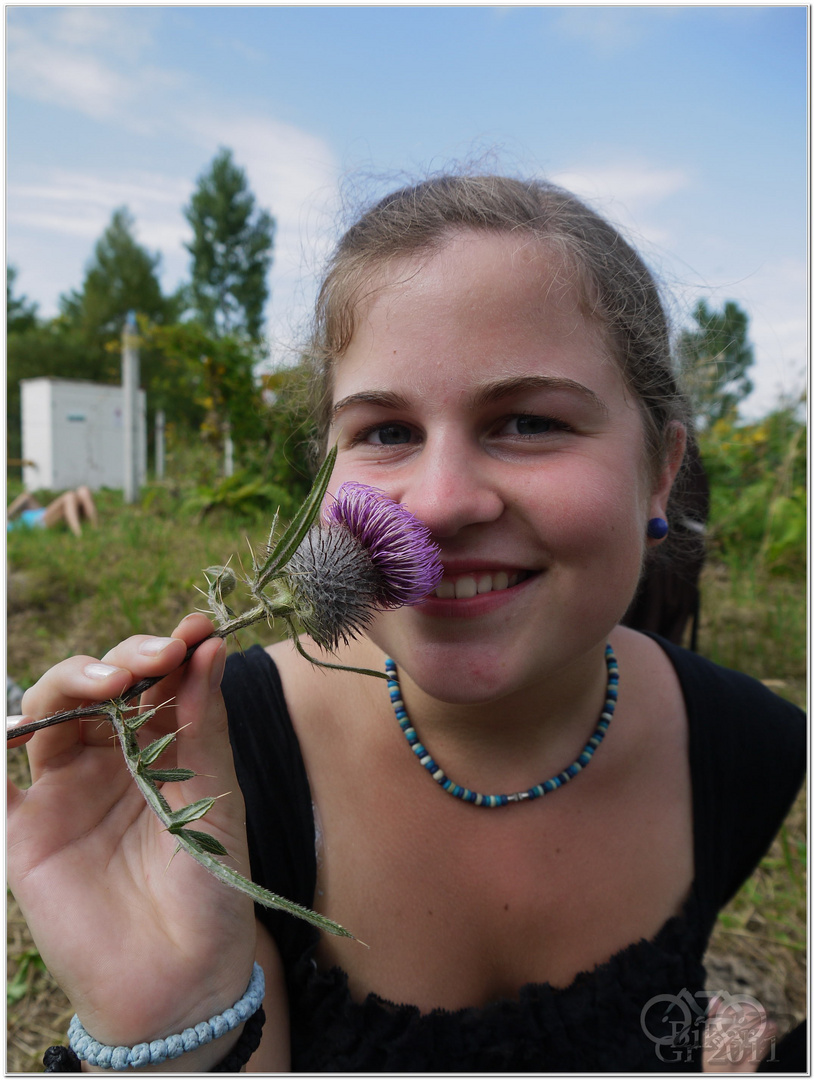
399,545
368,554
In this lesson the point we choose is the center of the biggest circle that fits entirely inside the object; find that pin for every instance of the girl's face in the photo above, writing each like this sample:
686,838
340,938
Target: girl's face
476,392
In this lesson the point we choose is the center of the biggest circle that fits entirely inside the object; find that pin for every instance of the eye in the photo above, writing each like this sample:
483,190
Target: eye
387,435
531,425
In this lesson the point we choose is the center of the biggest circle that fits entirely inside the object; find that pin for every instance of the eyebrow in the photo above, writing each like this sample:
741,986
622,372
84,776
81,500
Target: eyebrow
384,399
484,395
501,388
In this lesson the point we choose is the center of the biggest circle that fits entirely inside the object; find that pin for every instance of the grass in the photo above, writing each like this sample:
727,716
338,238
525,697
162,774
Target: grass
754,621
138,574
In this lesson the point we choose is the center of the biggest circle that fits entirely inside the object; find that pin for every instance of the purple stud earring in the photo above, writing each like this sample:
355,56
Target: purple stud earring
657,529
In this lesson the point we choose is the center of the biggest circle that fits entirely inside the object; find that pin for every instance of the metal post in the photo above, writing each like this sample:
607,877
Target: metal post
159,444
228,450
130,381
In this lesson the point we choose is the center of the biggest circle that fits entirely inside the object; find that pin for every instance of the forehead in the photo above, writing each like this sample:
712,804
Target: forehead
482,304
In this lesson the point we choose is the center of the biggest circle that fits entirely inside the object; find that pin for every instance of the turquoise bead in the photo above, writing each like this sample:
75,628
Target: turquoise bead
547,786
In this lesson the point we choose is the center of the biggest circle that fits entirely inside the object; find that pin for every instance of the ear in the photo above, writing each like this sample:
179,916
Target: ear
677,444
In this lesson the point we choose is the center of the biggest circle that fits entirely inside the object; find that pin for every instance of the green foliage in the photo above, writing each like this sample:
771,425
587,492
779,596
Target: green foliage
27,963
715,359
20,314
204,382
242,496
757,475
231,251
121,276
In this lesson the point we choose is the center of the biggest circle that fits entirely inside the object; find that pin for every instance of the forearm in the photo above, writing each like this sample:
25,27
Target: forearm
238,1048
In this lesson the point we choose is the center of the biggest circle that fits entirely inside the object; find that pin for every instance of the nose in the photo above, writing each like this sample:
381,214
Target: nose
450,486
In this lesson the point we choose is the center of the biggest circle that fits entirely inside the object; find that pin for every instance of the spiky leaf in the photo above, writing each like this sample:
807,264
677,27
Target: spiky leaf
170,775
186,814
150,753
302,521
204,841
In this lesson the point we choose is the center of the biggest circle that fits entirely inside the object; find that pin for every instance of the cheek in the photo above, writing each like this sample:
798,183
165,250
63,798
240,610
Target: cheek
591,508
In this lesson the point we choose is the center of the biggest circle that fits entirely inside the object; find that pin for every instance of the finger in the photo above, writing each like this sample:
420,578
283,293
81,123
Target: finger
193,627
206,737
13,722
191,631
73,681
203,744
146,656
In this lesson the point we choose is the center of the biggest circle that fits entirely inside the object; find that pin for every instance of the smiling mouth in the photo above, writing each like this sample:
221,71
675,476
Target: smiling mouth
467,586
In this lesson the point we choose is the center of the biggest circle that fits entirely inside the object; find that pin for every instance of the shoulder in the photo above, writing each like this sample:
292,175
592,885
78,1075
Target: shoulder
731,710
250,681
747,759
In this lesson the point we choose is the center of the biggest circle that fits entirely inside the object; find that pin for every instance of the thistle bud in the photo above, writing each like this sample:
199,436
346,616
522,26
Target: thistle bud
368,554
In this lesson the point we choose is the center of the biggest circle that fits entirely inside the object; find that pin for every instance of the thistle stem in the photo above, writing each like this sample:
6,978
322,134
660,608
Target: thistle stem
99,708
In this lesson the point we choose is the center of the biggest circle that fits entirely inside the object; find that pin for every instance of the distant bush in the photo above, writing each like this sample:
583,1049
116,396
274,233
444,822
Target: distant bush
757,475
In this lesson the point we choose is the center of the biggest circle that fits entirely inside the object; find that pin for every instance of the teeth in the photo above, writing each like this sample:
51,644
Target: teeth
468,586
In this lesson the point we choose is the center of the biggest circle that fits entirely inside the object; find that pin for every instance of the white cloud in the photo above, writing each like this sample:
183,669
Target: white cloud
607,31
42,71
631,195
96,61
88,59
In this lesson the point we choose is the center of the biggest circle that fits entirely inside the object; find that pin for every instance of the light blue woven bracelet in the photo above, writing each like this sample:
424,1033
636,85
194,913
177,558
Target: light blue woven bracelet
161,1050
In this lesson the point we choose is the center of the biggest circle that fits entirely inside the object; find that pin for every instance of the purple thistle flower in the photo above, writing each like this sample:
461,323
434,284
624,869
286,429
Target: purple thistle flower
398,544
368,554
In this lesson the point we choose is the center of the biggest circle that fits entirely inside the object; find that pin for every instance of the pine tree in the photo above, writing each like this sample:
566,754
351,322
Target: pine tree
715,359
231,251
121,276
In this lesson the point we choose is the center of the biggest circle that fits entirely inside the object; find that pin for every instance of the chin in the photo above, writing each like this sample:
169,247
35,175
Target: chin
458,673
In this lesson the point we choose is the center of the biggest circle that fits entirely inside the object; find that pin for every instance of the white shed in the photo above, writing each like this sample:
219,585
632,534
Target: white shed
72,432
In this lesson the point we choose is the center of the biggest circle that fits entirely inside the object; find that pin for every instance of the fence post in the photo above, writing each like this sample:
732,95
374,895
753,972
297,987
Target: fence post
228,450
159,444
130,381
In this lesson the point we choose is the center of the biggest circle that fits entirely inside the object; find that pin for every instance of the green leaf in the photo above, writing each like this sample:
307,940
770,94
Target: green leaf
205,841
301,523
136,719
149,754
168,774
18,987
190,813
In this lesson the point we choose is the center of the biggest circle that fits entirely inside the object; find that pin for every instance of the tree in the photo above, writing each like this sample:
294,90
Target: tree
121,276
205,383
715,358
20,314
231,251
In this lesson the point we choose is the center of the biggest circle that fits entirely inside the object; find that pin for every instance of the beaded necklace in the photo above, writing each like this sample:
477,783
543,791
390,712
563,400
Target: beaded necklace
438,774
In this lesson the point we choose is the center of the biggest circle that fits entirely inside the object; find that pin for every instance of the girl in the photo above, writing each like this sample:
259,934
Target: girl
493,355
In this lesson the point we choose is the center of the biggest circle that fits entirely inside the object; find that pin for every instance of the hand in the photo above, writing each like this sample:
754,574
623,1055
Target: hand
142,943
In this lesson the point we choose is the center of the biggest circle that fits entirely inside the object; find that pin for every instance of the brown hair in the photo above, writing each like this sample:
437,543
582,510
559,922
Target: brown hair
617,286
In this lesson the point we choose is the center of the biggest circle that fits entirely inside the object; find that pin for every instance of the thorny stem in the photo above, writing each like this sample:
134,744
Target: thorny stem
87,712
195,843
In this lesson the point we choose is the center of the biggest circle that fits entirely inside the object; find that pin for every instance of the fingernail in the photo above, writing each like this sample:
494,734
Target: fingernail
13,722
99,671
218,664
154,646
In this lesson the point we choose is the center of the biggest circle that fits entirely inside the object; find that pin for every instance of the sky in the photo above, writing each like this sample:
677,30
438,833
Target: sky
685,125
